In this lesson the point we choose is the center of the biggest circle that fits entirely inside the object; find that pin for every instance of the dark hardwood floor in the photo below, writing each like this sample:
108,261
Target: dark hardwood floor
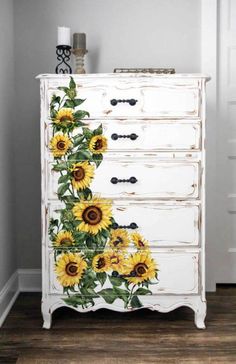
106,337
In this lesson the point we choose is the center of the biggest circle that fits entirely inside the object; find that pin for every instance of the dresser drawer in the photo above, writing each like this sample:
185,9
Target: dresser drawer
141,179
147,98
149,135
177,273
162,224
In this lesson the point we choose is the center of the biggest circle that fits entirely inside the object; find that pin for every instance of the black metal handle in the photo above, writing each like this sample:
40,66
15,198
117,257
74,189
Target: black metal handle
132,226
116,180
132,136
132,102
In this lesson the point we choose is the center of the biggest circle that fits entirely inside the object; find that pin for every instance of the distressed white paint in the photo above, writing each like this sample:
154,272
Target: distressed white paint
177,176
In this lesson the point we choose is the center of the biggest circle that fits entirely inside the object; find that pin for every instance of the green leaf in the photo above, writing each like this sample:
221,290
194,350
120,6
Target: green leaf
80,114
142,291
116,281
62,189
78,102
108,295
72,84
69,103
64,89
64,178
135,302
82,155
87,193
97,158
60,167
78,140
98,131
87,133
101,277
122,294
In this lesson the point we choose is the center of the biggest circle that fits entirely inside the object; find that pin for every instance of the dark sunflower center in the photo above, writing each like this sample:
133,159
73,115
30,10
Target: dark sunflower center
66,118
101,263
71,269
61,145
140,269
98,144
65,241
79,174
140,243
117,241
92,215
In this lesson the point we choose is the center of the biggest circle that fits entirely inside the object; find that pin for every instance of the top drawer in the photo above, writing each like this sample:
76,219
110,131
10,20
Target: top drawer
137,99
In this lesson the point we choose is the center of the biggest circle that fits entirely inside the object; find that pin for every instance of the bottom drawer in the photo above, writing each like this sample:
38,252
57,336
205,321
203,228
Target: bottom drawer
111,273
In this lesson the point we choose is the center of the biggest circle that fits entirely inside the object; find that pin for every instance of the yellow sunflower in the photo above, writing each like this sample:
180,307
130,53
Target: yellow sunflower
119,239
140,267
64,238
64,115
70,268
98,144
82,174
60,144
94,214
101,262
117,261
139,241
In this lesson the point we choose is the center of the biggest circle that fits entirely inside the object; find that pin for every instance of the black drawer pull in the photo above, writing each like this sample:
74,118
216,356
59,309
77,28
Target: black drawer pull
132,136
132,102
132,226
116,180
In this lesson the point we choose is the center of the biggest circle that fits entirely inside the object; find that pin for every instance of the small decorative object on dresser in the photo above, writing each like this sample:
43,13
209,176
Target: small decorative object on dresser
123,192
79,50
63,50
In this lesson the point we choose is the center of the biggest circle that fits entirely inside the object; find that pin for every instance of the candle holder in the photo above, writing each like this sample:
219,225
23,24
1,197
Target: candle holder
63,56
79,60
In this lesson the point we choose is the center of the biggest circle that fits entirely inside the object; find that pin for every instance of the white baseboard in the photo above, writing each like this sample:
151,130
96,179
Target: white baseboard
30,280
8,295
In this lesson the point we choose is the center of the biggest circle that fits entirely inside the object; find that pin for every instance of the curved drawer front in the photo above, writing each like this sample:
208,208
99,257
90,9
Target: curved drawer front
162,225
177,274
150,98
115,179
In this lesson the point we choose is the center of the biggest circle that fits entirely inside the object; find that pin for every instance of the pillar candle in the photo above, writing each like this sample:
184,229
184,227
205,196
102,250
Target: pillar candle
63,36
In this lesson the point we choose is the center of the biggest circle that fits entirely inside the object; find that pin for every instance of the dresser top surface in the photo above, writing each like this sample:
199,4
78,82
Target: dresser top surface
125,75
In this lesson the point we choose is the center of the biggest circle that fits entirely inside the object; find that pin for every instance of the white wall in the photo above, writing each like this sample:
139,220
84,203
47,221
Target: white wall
8,123
122,33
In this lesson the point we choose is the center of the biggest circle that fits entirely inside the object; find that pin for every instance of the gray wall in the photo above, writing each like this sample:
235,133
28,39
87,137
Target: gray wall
8,122
119,33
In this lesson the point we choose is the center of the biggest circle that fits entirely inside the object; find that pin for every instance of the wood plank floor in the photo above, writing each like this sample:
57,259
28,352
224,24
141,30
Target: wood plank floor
106,337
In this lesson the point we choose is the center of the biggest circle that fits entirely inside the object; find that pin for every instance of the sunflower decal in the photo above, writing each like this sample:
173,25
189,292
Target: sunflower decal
70,269
93,215
119,239
98,144
93,261
140,267
60,145
64,238
64,115
101,263
139,241
82,174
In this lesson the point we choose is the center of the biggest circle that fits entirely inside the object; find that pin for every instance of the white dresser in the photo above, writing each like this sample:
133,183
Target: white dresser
123,192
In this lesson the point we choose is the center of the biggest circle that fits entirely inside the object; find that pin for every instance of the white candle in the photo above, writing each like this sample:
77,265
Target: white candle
63,36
